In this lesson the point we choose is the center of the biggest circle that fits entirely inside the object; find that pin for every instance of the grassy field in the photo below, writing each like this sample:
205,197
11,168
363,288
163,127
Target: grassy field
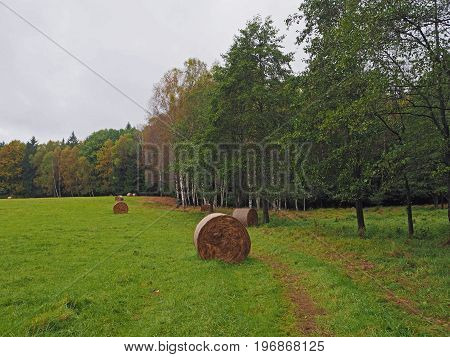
69,267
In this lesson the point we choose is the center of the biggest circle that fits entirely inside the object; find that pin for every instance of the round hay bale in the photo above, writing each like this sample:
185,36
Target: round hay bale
118,198
219,236
134,195
120,207
204,208
247,216
10,198
128,194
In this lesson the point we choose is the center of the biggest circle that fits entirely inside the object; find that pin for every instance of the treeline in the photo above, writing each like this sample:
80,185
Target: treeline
103,164
369,116
372,104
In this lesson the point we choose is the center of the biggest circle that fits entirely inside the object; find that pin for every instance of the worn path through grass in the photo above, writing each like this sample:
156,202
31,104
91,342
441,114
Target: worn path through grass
69,267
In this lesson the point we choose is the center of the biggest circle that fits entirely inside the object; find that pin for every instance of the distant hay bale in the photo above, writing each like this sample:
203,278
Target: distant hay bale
120,208
10,198
134,195
219,236
204,208
129,194
118,198
247,216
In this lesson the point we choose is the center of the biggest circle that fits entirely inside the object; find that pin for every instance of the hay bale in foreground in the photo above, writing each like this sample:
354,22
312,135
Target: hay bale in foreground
247,216
118,198
120,207
219,236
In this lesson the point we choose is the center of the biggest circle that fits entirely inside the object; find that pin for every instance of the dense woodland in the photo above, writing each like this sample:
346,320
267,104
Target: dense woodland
371,105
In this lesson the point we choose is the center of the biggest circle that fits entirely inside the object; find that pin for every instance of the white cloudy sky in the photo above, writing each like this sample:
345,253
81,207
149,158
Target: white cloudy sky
46,93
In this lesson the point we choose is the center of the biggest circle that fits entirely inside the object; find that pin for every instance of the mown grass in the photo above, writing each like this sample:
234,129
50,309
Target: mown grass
69,267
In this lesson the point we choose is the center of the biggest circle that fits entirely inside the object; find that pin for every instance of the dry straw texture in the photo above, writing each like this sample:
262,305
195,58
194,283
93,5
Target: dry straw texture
247,216
120,207
219,236
204,208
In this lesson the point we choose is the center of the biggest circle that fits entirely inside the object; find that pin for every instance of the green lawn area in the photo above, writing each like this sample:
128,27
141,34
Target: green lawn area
69,267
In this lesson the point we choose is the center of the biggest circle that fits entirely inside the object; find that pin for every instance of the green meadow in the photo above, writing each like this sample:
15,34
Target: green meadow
70,267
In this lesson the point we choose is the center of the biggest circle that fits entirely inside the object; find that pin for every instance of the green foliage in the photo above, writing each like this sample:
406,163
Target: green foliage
124,160
11,170
72,140
375,82
104,168
252,97
370,109
29,171
96,140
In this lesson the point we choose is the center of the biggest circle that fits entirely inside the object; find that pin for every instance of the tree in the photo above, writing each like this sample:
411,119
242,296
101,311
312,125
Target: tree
43,181
390,54
337,99
69,170
47,160
29,170
95,141
11,169
104,168
124,156
252,95
178,103
72,140
409,45
84,176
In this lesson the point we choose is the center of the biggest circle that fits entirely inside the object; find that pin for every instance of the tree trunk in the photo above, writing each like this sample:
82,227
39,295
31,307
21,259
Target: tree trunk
409,208
360,218
436,201
448,195
442,78
183,198
188,195
177,190
238,198
265,204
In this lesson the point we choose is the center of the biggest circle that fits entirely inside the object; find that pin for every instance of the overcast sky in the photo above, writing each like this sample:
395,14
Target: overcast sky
46,93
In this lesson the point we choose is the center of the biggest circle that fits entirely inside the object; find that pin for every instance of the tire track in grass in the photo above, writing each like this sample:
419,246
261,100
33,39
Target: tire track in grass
303,308
363,268
356,267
